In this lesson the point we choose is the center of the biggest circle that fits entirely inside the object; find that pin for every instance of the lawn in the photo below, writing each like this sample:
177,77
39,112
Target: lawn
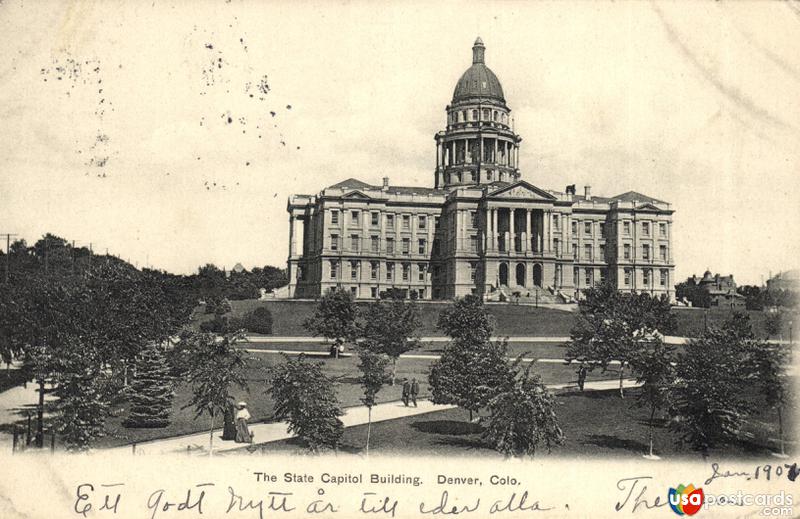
595,423
348,390
512,320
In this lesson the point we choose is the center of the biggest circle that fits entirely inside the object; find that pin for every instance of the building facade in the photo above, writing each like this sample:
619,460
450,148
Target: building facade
481,229
721,291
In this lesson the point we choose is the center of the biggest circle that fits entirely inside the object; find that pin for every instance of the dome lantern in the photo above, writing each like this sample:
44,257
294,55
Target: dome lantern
478,50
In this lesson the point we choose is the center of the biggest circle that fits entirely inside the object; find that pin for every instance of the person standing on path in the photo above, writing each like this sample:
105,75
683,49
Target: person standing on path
414,391
582,375
406,391
243,434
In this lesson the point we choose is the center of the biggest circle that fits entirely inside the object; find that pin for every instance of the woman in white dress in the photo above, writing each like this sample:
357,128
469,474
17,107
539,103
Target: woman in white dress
242,416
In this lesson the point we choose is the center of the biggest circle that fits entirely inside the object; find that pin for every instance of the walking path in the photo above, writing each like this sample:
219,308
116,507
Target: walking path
14,403
276,431
668,339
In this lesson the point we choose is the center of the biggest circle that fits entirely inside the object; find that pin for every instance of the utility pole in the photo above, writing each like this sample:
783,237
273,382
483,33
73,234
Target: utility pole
8,253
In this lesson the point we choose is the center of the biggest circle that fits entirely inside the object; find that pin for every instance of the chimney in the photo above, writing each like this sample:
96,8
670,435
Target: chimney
570,189
385,184
587,192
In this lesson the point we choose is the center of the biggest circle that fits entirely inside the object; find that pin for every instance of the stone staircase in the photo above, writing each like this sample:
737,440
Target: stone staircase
513,294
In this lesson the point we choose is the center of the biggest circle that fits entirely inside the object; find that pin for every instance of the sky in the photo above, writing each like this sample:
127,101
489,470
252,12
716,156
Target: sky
172,133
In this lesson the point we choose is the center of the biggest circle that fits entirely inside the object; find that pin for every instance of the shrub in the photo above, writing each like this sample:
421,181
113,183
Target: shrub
258,321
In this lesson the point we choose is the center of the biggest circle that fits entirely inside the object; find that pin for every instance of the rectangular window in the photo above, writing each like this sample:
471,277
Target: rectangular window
626,251
423,222
662,252
334,242
335,217
473,243
422,246
603,275
375,219
354,292
574,251
627,277
406,221
646,277
373,292
587,251
354,218
587,228
588,274
574,228
373,271
646,228
664,276
421,269
389,245
602,252
406,245
646,252
576,277
556,222
334,269
662,230
626,228
406,269
421,293
389,271
473,271
375,244
557,246
353,270
473,219
389,222
354,242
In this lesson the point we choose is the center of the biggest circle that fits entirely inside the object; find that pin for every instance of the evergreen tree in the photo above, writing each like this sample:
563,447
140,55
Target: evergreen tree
304,396
522,417
151,390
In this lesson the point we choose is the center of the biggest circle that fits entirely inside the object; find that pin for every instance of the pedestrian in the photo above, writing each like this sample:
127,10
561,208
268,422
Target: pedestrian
414,391
582,370
243,434
406,391
229,423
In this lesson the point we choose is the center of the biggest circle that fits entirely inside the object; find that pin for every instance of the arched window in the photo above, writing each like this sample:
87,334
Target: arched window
474,115
460,116
494,115
464,115
486,114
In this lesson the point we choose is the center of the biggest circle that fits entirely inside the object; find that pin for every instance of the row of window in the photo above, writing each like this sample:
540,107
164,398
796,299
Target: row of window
626,228
647,276
389,272
473,115
456,177
374,219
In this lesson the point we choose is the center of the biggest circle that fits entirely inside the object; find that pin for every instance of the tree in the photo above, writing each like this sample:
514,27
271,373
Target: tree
467,320
653,363
612,325
707,403
738,324
523,416
151,390
771,362
216,365
692,292
304,396
258,321
389,326
335,318
373,376
469,374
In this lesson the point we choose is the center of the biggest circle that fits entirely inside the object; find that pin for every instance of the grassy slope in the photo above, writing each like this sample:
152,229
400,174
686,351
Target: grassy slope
512,320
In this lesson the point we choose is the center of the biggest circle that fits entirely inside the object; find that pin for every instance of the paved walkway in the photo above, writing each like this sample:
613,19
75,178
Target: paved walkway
276,431
14,403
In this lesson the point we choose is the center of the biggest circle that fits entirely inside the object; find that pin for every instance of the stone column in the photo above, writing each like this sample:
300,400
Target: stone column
292,239
487,236
546,232
512,233
495,232
526,231
494,159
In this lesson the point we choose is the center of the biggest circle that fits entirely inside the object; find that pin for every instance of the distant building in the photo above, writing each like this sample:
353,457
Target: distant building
787,280
720,289
480,229
238,268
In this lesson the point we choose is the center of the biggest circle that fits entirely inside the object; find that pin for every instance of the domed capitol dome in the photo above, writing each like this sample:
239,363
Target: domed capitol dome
478,80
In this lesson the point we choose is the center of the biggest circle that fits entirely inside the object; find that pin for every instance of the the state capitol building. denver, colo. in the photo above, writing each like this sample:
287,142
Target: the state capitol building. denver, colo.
481,229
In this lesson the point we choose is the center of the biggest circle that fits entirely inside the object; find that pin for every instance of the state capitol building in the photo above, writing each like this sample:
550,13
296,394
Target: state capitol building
481,229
